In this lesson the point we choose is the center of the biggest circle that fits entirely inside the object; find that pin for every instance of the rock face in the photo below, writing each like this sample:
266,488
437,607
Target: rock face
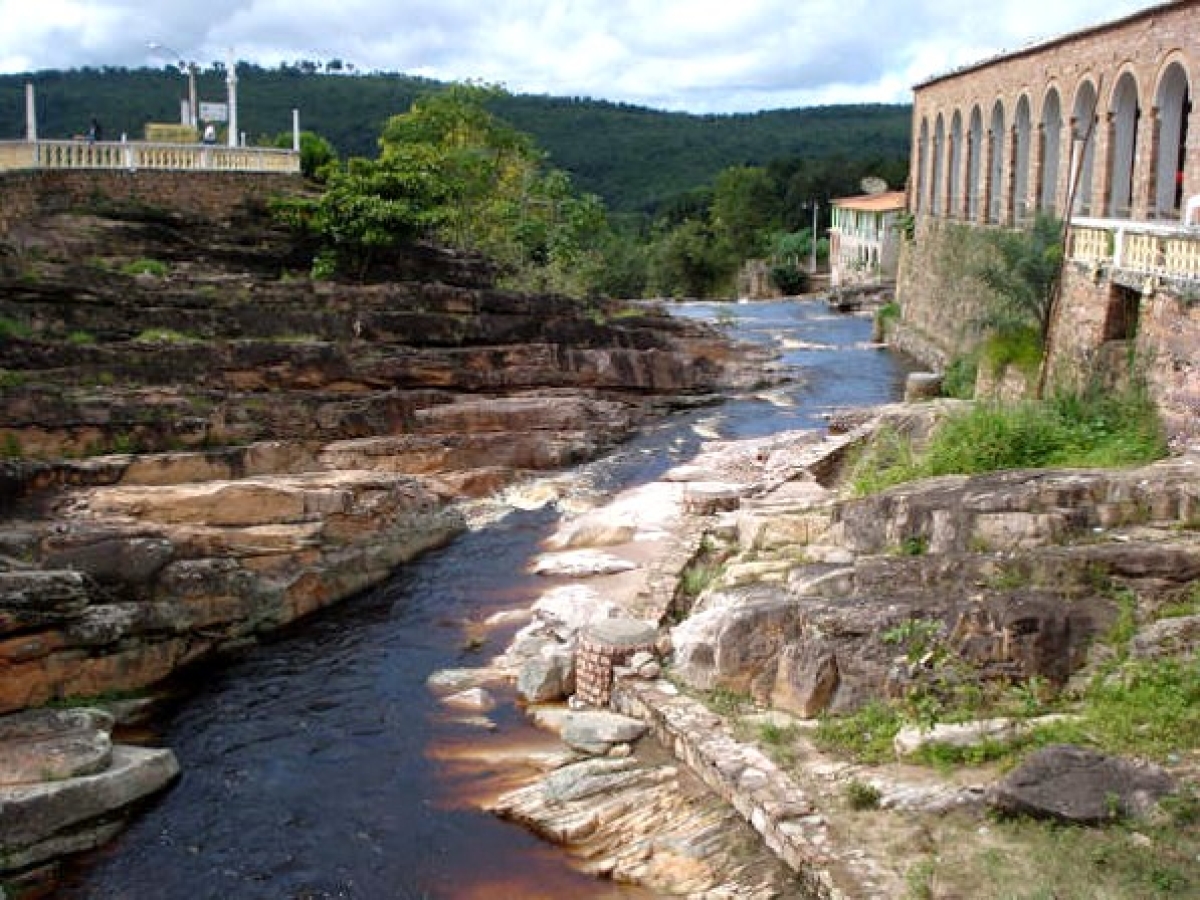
63,783
1079,787
650,824
195,458
1011,576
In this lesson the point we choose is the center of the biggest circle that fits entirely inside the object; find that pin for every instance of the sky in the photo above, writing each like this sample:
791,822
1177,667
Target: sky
701,56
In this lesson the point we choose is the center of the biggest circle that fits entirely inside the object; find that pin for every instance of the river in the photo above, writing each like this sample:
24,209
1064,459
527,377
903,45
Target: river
319,765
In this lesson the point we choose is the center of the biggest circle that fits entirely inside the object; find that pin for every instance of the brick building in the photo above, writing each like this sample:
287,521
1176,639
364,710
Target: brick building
1097,127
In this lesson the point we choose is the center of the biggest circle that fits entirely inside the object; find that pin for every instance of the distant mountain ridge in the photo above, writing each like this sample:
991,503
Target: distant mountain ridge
634,157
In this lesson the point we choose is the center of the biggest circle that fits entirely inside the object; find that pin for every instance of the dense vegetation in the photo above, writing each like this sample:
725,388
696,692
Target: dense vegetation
675,203
633,157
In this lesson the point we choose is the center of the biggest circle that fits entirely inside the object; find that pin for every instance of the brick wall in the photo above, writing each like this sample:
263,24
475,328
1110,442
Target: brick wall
1144,46
1105,331
214,195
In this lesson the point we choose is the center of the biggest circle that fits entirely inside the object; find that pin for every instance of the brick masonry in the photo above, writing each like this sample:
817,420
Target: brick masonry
211,195
1104,329
1150,47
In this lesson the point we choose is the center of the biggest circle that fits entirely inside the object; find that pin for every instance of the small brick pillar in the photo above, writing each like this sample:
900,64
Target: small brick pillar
603,646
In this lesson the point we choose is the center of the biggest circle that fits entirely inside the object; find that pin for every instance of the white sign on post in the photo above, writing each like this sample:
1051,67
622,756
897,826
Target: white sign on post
214,112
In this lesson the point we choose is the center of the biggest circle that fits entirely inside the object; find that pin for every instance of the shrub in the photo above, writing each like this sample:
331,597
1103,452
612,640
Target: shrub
1092,429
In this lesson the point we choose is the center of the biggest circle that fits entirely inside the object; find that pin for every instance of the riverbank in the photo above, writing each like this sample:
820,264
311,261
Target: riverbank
779,596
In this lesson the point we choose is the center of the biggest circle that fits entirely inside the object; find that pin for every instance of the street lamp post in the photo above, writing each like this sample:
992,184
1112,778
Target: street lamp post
813,241
189,68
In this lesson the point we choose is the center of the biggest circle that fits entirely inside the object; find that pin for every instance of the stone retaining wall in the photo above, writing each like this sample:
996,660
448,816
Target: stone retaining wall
213,195
774,805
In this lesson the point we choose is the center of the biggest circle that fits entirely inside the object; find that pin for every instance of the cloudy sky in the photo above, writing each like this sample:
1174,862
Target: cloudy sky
698,56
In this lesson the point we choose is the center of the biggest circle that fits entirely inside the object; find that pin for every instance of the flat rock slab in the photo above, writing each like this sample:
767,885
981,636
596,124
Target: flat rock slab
581,564
597,731
1079,786
36,820
620,634
53,744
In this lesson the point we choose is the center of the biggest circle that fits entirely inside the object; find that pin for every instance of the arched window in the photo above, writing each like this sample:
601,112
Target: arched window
1174,105
922,155
1083,148
1051,151
1125,114
1022,133
996,171
955,181
974,164
939,142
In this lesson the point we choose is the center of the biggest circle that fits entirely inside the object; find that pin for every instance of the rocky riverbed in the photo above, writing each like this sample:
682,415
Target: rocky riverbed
202,445
802,592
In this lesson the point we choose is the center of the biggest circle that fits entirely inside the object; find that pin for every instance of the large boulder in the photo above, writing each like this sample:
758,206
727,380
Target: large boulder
598,731
52,818
1080,787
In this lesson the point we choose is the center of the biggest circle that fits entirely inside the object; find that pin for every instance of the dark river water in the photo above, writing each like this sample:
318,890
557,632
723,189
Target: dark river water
319,765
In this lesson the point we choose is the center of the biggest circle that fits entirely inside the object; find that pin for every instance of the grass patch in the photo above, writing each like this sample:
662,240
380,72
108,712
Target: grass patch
860,795
958,380
1041,861
1018,347
12,329
725,702
81,337
164,336
154,267
865,736
11,379
1094,430
1146,708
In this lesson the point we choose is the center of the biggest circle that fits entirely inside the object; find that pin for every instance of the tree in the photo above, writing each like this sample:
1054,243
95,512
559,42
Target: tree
316,153
745,209
1023,275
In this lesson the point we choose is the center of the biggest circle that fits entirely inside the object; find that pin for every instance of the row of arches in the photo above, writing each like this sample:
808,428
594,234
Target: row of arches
1112,157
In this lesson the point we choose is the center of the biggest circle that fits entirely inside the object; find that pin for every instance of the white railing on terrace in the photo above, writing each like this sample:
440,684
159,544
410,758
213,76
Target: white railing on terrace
133,155
1150,249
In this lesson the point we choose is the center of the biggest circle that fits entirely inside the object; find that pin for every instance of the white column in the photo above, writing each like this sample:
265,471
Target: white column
296,130
30,114
231,83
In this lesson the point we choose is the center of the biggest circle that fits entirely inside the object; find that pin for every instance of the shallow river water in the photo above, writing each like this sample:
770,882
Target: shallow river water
320,766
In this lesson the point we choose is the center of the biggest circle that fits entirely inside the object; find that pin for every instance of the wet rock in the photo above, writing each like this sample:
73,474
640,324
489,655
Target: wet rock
547,677
1079,786
473,699
42,821
581,564
50,745
596,731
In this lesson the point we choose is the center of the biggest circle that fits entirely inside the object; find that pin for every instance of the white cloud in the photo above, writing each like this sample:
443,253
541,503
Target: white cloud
699,55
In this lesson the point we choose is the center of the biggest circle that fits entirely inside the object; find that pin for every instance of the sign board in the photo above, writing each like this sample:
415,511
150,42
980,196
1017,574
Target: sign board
214,112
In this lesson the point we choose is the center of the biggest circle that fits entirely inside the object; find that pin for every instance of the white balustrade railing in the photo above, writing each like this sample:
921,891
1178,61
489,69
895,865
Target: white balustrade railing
133,155
1152,249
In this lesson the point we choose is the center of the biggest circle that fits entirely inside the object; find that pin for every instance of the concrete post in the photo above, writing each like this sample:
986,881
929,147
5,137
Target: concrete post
30,114
296,130
231,84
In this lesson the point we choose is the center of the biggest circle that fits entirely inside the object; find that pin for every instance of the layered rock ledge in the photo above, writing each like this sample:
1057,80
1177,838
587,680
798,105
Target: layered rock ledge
202,444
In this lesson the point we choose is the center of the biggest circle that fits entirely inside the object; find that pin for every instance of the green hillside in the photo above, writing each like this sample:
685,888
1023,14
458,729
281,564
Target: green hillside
633,157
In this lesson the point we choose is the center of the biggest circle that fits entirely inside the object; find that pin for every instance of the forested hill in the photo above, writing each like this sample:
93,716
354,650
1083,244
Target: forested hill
632,156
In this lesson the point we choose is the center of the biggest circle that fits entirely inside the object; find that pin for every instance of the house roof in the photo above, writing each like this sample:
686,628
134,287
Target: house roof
885,202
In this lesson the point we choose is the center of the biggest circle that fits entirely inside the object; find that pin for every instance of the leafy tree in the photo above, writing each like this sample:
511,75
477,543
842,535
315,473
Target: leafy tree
745,208
1023,275
316,153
